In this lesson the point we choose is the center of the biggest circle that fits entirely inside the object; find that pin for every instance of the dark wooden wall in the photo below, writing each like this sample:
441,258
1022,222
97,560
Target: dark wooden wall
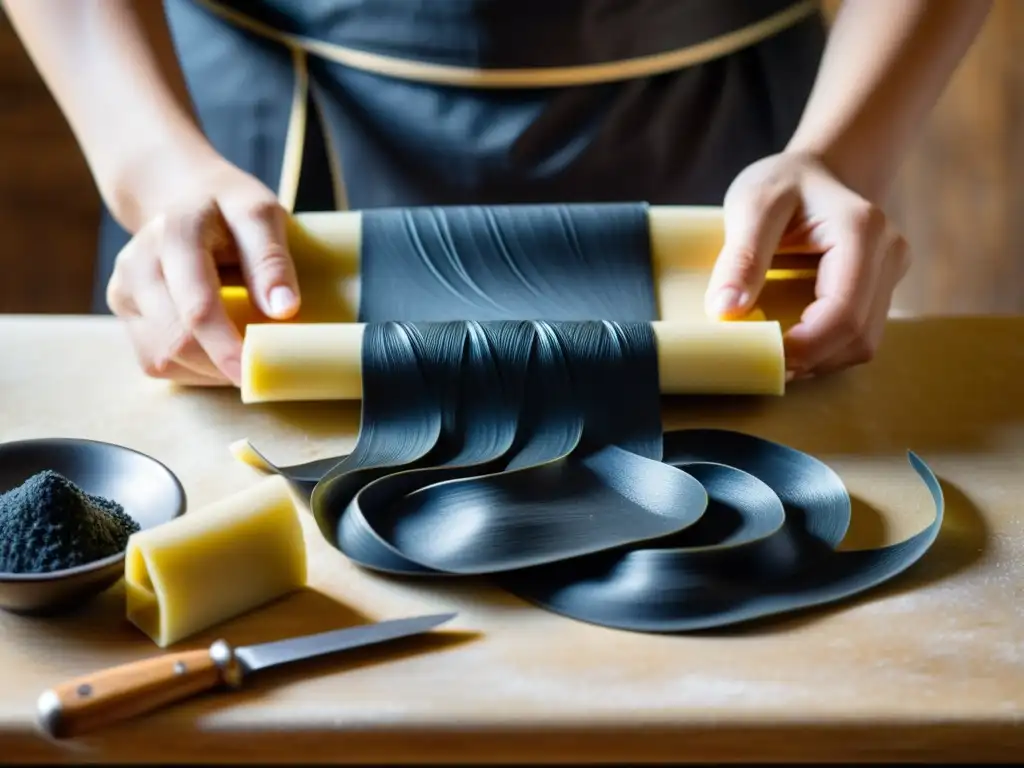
49,208
960,196
959,199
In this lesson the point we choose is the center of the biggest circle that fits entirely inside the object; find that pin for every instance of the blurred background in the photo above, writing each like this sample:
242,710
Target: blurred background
959,199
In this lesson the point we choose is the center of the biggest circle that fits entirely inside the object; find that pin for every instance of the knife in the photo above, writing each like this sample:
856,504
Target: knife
132,689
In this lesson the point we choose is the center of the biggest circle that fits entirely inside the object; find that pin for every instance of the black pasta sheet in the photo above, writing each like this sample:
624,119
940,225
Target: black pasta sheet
505,434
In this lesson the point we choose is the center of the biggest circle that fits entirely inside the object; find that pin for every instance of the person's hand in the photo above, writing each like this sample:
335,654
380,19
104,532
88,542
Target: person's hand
794,201
165,284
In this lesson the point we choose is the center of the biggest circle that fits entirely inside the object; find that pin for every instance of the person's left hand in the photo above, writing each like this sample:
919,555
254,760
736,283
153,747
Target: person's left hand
793,200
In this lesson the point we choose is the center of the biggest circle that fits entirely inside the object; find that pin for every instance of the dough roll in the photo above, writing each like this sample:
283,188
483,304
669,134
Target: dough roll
215,563
323,361
326,248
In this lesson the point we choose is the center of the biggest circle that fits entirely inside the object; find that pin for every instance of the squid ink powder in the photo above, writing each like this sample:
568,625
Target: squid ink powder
49,524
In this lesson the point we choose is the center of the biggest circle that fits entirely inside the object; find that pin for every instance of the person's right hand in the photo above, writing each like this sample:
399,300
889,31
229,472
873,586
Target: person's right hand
165,284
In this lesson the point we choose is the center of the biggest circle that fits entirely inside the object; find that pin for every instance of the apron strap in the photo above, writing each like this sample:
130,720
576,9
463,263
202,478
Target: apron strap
295,140
534,77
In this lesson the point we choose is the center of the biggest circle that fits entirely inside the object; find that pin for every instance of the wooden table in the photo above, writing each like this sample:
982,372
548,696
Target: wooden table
930,666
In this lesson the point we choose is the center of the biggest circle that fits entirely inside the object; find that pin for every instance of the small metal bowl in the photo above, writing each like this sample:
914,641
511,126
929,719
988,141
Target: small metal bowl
147,490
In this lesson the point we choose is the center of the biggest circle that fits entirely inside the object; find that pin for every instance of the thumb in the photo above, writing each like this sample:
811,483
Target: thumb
262,240
754,225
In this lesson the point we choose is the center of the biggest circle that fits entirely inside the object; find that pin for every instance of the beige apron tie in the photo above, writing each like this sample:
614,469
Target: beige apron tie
532,77
295,139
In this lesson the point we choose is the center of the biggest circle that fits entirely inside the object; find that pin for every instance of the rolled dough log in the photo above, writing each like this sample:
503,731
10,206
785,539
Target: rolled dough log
323,361
215,563
325,246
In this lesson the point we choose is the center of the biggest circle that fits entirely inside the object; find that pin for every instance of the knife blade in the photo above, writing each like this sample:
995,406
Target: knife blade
132,689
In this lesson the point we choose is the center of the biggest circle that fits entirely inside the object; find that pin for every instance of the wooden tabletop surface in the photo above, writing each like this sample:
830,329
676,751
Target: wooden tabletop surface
931,665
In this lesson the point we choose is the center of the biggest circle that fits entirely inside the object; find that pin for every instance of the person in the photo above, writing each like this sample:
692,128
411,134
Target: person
204,122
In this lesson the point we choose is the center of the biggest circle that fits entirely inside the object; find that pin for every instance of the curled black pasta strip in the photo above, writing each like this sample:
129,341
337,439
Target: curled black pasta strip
505,434
527,451
722,579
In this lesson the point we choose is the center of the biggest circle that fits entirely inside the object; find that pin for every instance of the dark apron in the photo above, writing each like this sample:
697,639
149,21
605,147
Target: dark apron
662,101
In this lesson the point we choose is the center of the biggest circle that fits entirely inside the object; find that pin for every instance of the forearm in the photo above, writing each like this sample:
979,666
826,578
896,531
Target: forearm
885,65
111,67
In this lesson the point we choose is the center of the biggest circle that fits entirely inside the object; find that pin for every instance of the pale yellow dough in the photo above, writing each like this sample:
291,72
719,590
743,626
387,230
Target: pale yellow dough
317,355
215,563
322,361
685,243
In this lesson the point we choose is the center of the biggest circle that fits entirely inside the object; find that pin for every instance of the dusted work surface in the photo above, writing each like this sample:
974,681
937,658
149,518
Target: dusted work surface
929,665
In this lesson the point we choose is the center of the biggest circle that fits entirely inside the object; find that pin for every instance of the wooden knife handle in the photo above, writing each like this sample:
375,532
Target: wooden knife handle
106,697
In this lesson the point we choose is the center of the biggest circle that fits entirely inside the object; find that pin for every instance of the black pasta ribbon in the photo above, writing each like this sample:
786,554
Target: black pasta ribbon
532,452
495,443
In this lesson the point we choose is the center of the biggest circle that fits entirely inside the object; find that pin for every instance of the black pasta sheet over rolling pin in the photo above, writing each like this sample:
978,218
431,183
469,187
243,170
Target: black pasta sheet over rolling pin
511,427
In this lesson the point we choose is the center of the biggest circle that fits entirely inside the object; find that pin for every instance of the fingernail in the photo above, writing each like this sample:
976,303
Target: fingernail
727,300
281,299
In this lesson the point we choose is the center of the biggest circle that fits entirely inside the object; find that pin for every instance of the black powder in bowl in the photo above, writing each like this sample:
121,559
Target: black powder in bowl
50,524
